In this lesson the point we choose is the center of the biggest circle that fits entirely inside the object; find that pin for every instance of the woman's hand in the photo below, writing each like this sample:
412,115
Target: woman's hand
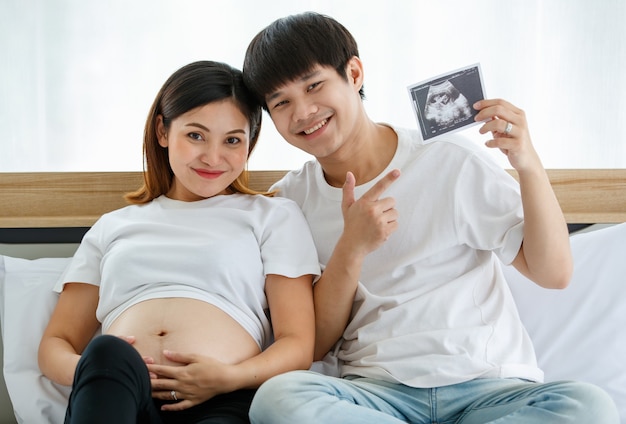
196,380
199,378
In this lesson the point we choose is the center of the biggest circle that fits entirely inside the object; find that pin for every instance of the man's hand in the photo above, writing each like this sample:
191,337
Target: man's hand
509,129
370,220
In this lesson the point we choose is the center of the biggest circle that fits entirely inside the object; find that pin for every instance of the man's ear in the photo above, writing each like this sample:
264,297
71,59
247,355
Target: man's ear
161,132
354,70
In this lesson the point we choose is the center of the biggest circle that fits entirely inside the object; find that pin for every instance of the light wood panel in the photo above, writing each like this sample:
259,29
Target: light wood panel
77,199
591,195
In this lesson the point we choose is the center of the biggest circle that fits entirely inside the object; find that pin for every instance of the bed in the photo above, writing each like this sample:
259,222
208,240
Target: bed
579,333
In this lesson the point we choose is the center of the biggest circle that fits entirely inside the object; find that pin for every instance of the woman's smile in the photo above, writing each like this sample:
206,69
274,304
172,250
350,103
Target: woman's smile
211,175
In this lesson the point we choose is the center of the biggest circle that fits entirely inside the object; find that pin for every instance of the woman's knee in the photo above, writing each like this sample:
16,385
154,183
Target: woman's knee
107,348
109,355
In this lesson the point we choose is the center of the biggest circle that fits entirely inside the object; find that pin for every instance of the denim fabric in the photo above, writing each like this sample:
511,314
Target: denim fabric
307,397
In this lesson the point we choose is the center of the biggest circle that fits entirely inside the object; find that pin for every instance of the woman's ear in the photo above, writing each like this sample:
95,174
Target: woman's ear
161,131
354,70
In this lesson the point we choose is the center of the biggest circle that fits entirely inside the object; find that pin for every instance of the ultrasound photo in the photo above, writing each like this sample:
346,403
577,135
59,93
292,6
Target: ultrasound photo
444,104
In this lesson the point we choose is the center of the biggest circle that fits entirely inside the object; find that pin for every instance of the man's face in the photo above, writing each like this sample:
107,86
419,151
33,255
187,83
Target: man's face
317,111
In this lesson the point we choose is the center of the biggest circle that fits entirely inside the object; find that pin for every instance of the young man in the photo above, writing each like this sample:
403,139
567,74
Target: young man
412,302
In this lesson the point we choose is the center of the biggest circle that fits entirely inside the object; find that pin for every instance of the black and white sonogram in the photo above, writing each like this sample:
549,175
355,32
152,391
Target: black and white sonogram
444,104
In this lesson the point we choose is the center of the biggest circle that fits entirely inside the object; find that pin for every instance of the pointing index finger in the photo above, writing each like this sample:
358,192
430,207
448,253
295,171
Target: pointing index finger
379,188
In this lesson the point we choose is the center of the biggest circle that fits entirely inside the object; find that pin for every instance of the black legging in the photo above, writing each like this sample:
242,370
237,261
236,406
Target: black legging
112,385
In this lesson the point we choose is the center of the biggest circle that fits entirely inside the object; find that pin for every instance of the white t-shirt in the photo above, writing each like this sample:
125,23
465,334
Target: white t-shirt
218,250
432,307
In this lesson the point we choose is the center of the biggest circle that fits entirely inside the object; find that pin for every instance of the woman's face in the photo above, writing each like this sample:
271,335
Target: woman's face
207,148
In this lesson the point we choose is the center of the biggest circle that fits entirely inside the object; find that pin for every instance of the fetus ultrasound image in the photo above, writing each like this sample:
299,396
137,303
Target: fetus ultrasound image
444,104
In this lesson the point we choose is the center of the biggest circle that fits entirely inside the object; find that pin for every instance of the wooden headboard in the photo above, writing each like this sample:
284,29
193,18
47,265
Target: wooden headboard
77,199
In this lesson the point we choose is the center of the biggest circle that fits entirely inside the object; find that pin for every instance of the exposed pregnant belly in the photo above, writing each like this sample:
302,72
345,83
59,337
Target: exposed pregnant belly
185,326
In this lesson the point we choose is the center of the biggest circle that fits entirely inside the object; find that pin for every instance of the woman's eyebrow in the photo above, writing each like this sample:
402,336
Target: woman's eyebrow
202,127
197,125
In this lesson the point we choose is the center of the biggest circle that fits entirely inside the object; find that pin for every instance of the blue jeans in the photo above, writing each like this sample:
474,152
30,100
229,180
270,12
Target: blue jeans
306,397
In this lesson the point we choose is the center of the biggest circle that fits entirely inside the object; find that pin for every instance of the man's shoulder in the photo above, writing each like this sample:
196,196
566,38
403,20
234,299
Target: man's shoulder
298,177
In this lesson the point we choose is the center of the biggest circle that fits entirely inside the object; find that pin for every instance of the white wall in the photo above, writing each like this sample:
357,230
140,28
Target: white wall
77,77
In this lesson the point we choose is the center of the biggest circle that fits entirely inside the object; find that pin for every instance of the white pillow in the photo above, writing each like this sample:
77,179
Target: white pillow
27,301
580,333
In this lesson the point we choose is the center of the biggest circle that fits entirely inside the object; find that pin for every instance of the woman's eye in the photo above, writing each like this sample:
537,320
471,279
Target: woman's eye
195,136
233,140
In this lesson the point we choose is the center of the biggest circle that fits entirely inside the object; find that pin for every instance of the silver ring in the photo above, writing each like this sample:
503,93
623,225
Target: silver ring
173,395
508,128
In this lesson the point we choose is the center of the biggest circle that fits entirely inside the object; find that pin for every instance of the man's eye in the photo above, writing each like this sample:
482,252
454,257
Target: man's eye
313,86
279,104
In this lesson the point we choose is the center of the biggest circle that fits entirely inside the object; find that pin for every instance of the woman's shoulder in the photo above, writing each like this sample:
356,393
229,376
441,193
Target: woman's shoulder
261,211
260,201
125,213
127,210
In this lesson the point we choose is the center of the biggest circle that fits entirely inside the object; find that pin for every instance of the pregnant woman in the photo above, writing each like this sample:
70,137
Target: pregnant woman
202,287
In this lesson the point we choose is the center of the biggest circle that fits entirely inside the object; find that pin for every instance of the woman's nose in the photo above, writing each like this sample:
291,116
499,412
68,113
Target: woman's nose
211,154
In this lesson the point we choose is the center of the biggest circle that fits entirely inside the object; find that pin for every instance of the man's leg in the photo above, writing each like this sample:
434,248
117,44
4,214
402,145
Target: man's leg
306,397
515,401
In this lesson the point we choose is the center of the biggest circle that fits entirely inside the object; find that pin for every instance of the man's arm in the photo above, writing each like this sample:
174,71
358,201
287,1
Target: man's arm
368,223
545,256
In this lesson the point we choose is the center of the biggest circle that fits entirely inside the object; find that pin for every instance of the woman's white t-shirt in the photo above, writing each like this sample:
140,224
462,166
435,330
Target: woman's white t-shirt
218,250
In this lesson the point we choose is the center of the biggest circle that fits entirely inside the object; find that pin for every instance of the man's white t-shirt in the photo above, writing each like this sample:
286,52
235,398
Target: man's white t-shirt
432,307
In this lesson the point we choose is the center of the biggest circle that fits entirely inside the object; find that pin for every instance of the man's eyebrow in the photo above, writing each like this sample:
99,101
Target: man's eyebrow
304,78
309,75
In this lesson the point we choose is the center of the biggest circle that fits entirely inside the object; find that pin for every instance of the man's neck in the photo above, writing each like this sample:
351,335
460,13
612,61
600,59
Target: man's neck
366,155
